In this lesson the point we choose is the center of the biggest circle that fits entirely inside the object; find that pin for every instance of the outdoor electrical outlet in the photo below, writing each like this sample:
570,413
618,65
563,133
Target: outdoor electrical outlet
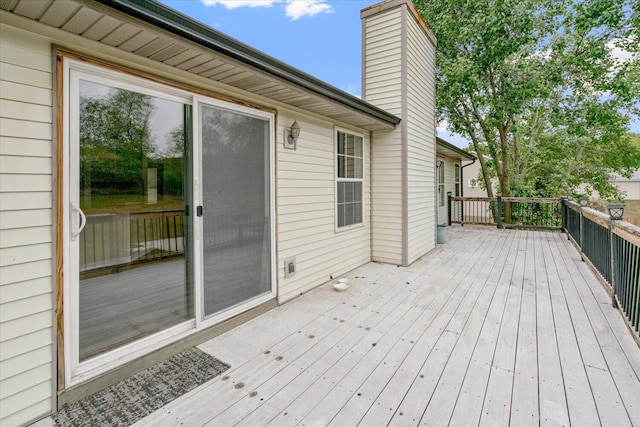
289,267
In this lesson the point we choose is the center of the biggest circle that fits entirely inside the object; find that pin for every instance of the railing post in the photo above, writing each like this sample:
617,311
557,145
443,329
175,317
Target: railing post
499,219
614,303
581,234
449,208
563,214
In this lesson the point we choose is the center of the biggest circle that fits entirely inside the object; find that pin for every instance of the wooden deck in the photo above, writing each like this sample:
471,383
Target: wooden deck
495,327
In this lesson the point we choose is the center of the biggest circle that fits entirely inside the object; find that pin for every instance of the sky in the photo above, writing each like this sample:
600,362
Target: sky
320,37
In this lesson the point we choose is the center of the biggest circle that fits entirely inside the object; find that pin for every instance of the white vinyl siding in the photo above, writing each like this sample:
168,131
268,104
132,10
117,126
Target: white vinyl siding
420,117
306,203
26,228
399,76
382,87
305,206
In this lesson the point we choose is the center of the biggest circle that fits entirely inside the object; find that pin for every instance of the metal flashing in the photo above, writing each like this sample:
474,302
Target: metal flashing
390,4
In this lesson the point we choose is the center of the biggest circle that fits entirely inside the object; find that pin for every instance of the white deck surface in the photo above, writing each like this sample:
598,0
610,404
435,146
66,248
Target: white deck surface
495,327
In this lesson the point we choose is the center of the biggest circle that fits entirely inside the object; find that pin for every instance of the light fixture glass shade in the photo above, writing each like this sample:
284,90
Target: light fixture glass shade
616,211
584,201
295,130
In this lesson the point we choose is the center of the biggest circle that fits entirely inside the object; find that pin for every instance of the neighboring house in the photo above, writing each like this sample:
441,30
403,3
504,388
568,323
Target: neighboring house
452,164
473,179
630,186
152,195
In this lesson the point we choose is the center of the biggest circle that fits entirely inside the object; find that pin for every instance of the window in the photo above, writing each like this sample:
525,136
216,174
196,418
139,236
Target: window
456,174
349,179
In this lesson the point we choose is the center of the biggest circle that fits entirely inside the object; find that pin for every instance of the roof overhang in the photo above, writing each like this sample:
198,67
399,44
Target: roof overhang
154,31
447,149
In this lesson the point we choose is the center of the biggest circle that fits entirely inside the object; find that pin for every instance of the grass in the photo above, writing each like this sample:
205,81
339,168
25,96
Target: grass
128,203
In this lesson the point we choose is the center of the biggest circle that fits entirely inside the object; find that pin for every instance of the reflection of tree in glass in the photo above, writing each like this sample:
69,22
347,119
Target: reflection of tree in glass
175,139
115,140
172,160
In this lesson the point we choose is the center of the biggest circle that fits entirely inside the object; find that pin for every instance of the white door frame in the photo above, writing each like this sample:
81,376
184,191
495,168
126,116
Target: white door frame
76,372
441,174
202,320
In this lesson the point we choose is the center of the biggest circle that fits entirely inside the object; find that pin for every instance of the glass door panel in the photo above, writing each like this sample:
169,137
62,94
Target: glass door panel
132,189
236,201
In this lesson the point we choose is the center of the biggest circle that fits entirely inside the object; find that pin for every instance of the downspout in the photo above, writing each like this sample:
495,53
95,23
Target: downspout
462,176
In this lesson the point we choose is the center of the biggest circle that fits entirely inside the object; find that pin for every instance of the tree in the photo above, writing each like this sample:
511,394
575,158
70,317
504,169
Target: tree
537,87
115,139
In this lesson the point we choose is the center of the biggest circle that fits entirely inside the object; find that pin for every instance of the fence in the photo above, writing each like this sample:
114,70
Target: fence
612,249
506,212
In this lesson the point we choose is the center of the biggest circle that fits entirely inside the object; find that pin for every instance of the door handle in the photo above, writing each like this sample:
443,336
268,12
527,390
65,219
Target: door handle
75,231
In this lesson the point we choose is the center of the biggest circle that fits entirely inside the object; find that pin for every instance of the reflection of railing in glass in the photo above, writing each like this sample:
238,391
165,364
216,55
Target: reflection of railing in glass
118,239
114,240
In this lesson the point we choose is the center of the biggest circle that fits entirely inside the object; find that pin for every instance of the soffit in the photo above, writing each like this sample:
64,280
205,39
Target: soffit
443,148
188,45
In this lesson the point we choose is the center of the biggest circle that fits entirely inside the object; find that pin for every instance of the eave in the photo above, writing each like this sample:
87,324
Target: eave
447,149
154,31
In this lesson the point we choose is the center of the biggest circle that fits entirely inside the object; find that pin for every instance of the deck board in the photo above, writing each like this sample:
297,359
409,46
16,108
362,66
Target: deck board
469,402
495,327
553,402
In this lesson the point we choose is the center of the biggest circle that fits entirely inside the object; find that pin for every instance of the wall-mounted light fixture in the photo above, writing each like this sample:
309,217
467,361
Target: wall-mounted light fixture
584,201
439,163
616,211
570,197
291,136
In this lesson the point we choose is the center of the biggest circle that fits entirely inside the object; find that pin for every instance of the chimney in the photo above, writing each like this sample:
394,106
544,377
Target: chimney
399,77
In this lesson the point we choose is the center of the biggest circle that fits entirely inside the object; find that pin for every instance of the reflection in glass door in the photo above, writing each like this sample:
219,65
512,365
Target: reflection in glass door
236,222
128,197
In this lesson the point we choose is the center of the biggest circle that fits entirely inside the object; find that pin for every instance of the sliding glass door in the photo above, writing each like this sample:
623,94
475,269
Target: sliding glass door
236,201
127,215
168,215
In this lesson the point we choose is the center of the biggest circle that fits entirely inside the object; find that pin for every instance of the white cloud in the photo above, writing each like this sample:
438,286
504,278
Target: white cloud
234,4
619,53
442,126
294,9
299,8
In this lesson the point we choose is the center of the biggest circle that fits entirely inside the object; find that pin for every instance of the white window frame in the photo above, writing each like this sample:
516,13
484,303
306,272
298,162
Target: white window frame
203,321
457,182
77,372
338,180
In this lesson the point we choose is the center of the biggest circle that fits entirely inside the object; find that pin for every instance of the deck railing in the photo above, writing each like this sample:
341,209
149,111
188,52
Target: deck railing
612,250
506,212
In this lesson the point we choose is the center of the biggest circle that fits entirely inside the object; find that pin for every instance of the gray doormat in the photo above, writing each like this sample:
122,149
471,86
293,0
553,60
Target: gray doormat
133,398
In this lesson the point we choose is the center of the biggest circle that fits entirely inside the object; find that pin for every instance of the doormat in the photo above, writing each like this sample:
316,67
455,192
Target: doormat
133,398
